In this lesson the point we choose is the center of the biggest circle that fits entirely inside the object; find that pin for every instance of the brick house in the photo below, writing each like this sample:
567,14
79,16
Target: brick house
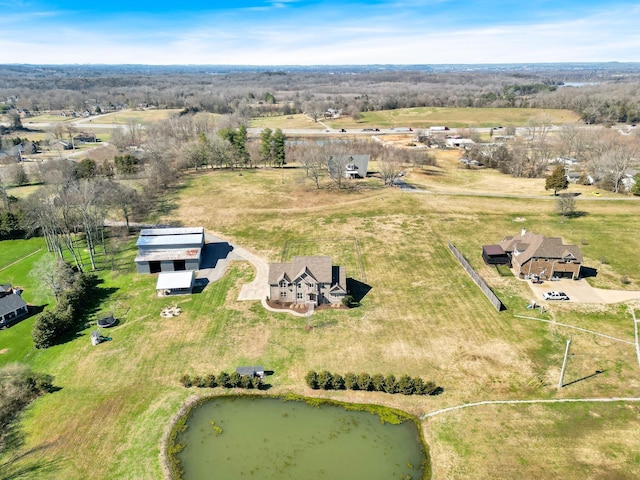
307,280
546,257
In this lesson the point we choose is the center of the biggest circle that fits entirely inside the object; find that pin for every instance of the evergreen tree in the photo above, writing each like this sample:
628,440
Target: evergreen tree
266,146
279,142
635,188
325,380
312,379
557,180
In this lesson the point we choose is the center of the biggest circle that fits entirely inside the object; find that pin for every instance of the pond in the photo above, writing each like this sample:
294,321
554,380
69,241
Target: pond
273,439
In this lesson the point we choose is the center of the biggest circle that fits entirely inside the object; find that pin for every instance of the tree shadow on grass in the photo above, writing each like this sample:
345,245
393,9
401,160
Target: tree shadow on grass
16,464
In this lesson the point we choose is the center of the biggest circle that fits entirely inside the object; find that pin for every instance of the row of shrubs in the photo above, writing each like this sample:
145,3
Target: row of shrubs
223,379
406,385
54,326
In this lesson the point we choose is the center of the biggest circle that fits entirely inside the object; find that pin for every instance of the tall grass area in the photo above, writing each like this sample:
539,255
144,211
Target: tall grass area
423,317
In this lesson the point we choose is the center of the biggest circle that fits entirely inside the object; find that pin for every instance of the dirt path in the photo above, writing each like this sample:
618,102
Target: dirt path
517,402
575,328
20,259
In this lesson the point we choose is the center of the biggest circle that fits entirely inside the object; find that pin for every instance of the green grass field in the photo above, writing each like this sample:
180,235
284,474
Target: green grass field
424,117
423,316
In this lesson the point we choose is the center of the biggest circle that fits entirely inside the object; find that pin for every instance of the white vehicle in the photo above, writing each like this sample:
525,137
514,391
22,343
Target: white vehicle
555,296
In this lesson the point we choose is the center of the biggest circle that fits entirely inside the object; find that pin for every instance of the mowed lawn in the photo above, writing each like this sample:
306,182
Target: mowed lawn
424,117
422,316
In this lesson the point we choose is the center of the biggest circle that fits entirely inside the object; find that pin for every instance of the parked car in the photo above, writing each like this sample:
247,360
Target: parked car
555,296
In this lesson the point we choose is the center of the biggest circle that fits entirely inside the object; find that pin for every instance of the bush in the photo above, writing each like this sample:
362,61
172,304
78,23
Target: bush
325,380
199,382
312,379
223,380
390,384
377,382
364,382
245,382
405,385
211,381
350,381
185,380
256,382
338,382
234,379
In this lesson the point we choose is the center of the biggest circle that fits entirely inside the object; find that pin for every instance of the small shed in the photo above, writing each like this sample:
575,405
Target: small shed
255,371
495,255
175,283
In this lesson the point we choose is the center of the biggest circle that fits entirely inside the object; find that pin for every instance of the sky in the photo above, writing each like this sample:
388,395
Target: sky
317,32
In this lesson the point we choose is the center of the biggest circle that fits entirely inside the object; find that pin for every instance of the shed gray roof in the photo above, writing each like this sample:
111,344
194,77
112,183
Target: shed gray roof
171,231
11,303
172,254
250,370
319,267
171,280
157,241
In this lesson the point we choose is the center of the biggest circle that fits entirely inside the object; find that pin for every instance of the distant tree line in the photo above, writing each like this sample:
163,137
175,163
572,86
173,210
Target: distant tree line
602,97
405,384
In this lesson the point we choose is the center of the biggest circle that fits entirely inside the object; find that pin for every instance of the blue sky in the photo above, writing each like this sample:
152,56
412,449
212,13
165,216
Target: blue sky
317,32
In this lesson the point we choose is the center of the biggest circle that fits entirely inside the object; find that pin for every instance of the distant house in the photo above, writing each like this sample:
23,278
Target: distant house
459,142
169,249
12,309
349,166
546,257
85,138
175,283
307,280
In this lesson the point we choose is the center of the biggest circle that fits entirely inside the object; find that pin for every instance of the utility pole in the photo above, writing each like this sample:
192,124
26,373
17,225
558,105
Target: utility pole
564,363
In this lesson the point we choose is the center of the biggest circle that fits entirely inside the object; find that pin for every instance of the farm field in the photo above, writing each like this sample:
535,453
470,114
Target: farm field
297,121
424,117
422,316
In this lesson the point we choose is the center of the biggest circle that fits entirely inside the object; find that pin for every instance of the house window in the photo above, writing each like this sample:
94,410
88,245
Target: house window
283,294
300,296
283,283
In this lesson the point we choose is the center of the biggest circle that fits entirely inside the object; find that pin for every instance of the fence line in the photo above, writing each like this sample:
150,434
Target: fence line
477,279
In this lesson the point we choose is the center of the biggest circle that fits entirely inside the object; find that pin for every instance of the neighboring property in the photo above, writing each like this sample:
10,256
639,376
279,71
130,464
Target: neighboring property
307,280
459,143
349,166
169,249
534,255
495,255
175,283
85,138
12,309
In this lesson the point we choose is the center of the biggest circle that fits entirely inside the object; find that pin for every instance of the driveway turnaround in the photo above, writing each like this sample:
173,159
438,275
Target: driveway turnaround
580,291
219,252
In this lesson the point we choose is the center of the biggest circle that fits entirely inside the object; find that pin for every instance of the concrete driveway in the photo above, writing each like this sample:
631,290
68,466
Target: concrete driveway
579,291
219,252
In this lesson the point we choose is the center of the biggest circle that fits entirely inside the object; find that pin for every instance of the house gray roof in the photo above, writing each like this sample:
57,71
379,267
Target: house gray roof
11,303
5,288
321,268
531,245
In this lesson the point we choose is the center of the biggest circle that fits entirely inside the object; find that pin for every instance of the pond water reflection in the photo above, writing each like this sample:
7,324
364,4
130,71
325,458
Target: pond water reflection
269,438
